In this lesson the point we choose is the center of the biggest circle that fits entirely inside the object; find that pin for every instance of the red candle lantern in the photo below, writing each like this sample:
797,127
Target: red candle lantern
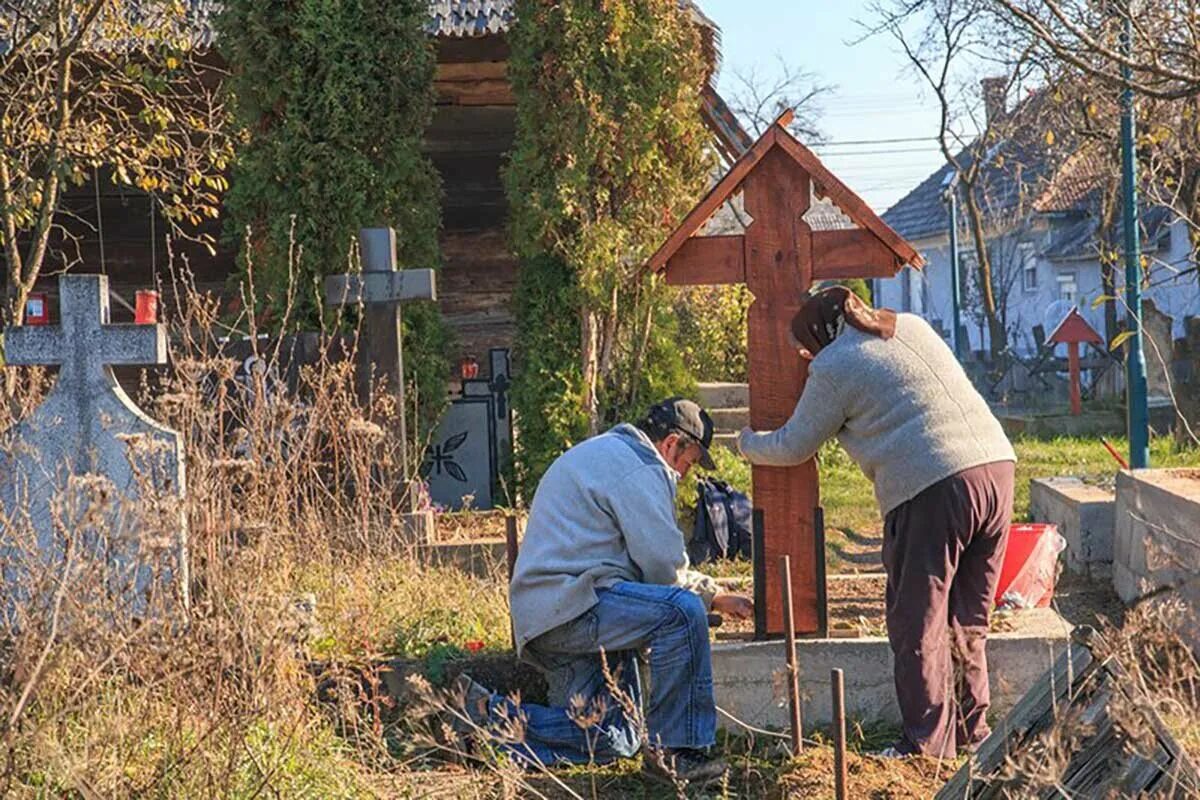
468,368
37,309
146,308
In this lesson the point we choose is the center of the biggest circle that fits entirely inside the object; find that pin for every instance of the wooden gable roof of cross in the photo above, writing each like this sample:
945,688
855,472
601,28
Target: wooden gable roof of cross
870,250
1074,328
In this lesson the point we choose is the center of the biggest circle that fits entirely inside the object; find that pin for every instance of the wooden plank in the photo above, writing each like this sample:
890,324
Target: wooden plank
778,248
855,253
1087,702
471,49
708,261
475,93
845,199
472,71
699,215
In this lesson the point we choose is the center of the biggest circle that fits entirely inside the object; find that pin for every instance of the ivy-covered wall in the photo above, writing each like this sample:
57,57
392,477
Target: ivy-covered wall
333,100
610,152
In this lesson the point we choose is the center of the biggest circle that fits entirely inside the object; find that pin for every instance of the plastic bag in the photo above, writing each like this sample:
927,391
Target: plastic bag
1029,583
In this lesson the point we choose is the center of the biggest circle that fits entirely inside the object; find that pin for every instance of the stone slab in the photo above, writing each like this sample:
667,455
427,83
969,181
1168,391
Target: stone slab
724,395
1157,534
749,685
729,420
1085,516
483,558
1090,423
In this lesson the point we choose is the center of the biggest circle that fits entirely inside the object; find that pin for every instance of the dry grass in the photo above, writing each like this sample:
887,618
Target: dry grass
299,592
109,690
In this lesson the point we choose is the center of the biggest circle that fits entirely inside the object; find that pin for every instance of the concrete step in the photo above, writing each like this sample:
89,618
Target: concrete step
727,440
724,395
730,420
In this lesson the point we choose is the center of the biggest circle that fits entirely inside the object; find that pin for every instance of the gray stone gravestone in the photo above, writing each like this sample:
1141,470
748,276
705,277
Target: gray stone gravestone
497,386
460,462
88,426
473,441
382,289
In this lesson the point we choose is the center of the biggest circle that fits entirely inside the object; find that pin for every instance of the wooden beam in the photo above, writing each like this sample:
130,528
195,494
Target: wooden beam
472,71
845,199
491,92
711,202
855,253
707,261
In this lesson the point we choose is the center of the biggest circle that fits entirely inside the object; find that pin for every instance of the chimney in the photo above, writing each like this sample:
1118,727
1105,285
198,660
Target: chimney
993,98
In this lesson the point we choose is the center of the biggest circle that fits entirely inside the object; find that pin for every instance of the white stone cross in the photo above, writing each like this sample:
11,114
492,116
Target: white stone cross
88,424
382,289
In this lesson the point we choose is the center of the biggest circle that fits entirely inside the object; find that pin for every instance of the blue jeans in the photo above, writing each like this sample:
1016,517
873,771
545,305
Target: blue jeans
585,723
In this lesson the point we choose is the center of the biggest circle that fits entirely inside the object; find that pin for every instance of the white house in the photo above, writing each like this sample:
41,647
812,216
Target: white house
1044,239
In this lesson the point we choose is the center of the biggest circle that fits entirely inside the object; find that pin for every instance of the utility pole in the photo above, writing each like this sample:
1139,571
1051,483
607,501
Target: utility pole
951,199
1135,360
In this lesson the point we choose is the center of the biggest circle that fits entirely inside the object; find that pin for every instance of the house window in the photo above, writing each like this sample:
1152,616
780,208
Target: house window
1029,270
1068,287
906,289
968,266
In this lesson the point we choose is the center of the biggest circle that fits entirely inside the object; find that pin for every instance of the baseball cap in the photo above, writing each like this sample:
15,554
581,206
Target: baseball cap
688,418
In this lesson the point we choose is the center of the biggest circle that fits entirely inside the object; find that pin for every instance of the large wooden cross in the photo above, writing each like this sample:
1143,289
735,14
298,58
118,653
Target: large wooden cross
779,257
382,289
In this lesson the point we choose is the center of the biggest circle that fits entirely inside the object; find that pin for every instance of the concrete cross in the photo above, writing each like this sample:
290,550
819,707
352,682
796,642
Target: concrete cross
382,290
87,422
84,344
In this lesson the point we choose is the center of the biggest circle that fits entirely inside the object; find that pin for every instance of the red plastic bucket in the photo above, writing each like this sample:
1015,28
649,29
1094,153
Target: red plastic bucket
1030,565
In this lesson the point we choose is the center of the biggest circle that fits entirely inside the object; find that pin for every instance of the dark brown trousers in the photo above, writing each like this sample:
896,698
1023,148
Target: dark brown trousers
943,551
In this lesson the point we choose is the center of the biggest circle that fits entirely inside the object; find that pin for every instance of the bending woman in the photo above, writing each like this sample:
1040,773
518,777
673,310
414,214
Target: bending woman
892,392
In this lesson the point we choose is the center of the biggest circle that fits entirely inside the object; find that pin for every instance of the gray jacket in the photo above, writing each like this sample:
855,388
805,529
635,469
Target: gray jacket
604,512
903,408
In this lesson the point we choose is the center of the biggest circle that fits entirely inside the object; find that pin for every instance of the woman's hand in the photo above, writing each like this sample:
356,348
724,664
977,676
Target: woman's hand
746,431
737,606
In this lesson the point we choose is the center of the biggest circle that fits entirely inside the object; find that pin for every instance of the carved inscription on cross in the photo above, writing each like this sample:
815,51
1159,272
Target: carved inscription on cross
382,290
88,424
779,258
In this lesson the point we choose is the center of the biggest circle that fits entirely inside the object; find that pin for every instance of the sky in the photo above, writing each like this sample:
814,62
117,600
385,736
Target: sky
876,98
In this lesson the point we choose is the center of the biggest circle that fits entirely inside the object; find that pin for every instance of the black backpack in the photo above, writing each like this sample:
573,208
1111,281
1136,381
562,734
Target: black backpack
723,523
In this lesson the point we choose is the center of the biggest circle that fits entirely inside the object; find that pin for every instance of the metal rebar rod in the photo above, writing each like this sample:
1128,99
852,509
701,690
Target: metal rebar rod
793,678
838,686
510,543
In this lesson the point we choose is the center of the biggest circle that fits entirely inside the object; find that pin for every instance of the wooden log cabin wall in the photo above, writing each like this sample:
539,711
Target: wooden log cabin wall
468,140
114,231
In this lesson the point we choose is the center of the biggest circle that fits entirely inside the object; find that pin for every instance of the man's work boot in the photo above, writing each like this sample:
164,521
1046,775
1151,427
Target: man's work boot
470,700
689,766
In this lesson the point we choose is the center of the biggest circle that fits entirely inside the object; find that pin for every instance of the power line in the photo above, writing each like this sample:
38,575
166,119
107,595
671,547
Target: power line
890,152
903,140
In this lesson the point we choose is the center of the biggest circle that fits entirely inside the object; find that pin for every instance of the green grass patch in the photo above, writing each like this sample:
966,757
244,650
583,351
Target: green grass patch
849,499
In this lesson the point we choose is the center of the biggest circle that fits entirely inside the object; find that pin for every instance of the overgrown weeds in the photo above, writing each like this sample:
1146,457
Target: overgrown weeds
112,684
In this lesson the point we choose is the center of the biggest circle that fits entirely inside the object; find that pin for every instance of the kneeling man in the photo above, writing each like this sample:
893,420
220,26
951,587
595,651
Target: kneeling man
603,568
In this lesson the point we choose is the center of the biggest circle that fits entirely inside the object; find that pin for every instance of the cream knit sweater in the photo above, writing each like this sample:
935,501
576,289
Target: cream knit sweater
903,408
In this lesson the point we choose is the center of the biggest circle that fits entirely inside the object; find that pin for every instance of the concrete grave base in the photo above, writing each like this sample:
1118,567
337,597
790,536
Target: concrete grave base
479,557
747,686
418,527
1085,517
1157,545
1091,423
1157,540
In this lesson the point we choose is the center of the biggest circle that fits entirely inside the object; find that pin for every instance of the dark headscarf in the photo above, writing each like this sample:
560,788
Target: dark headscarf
825,315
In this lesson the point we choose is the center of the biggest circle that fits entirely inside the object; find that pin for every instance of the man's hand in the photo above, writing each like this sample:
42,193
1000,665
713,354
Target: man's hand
737,606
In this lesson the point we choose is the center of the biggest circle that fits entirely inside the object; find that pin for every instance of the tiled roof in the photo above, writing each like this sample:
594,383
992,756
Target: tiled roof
1079,239
1022,169
1075,182
466,18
